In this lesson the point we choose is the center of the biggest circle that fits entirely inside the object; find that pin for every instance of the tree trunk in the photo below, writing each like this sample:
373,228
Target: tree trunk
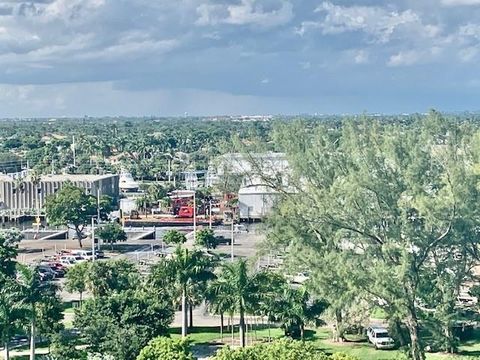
190,318
398,330
79,235
6,353
242,327
81,295
32,340
221,326
232,328
302,332
184,312
416,349
450,348
338,334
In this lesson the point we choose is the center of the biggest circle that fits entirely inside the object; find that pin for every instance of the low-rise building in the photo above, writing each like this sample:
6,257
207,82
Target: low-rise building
255,202
21,195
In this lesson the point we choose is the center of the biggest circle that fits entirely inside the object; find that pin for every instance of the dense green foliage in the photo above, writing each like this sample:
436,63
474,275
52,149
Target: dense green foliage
186,275
163,348
174,237
385,215
9,240
280,349
146,147
70,206
76,278
122,323
111,233
207,239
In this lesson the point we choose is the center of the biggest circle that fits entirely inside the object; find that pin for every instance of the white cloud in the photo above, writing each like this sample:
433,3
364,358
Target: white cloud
305,65
460,2
248,12
375,21
71,10
361,57
470,30
404,58
378,23
469,54
413,57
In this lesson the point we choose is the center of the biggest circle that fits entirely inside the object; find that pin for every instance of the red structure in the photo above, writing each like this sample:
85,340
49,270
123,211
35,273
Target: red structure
185,212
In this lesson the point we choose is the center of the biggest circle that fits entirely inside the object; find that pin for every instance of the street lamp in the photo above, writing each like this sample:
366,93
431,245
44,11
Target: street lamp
232,239
194,218
93,238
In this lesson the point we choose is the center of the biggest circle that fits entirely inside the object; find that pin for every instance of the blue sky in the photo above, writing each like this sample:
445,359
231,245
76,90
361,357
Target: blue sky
167,57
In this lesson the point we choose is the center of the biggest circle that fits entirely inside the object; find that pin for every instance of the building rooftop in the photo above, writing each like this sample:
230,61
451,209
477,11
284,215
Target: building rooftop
62,177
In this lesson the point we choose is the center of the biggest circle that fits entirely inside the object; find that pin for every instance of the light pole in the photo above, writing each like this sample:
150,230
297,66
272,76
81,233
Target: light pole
194,217
98,214
210,215
232,240
93,238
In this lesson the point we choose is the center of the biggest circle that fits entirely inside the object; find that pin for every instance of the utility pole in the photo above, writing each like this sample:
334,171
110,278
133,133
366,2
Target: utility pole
73,150
98,214
232,240
210,214
93,238
194,217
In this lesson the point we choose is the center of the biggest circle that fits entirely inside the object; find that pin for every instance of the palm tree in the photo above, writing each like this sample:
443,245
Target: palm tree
11,309
189,269
218,302
295,309
34,292
240,291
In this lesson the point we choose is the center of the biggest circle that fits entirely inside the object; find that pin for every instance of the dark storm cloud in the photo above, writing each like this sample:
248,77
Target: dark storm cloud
293,56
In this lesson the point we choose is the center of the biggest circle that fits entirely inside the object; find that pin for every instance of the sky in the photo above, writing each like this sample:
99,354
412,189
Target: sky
214,57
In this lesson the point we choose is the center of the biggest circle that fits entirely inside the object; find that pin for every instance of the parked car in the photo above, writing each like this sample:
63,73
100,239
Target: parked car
99,254
300,278
84,254
56,267
380,338
46,274
67,262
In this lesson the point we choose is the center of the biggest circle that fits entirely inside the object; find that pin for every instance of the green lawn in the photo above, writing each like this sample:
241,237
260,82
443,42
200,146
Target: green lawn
321,338
203,335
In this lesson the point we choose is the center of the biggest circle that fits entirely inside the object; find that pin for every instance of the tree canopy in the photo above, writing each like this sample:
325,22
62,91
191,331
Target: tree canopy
166,349
280,349
70,206
384,213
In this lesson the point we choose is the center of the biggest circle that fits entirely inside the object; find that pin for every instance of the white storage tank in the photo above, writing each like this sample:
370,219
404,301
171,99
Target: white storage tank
255,202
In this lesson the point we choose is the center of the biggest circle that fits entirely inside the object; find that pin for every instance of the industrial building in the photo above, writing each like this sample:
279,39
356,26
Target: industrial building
255,198
255,202
21,196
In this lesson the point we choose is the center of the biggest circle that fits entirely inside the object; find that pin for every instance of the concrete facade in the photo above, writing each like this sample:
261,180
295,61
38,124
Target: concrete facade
255,202
20,196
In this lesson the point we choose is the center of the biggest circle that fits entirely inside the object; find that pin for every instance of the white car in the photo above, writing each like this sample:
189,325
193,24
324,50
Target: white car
84,254
67,263
380,338
300,278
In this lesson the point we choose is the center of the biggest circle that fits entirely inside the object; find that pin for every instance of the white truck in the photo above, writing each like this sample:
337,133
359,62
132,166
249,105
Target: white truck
380,338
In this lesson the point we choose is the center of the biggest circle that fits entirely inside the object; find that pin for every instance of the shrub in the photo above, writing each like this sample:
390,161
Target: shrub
163,348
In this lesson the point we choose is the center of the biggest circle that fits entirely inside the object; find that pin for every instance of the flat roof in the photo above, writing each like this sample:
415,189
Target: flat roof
62,177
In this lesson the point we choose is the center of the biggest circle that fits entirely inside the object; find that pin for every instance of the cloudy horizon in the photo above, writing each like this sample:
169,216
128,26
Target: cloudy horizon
138,57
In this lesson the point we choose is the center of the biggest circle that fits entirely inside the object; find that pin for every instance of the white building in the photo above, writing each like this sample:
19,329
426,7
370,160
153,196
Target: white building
127,183
256,198
255,202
